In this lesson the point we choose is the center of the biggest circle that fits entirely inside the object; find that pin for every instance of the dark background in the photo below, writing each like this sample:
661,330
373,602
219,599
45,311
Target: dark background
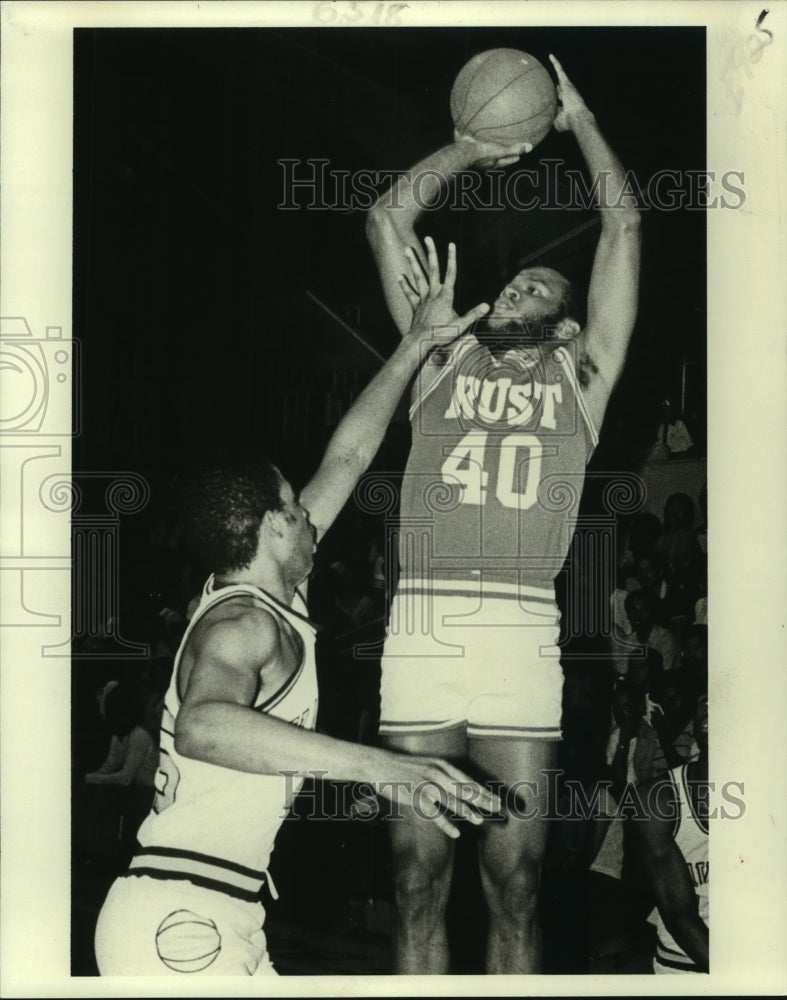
190,286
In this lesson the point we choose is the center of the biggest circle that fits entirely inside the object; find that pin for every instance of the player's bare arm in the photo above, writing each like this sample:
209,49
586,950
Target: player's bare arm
613,291
123,775
669,875
355,442
217,724
391,222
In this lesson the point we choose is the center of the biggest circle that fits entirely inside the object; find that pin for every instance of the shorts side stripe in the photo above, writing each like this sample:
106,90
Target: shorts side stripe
418,726
546,733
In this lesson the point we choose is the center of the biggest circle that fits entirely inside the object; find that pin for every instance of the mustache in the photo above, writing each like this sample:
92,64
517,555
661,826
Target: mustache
506,333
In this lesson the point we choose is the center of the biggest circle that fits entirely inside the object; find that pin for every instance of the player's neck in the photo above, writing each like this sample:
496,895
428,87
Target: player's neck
264,575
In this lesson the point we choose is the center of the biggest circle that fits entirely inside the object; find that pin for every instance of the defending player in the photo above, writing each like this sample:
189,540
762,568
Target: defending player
237,727
504,423
674,842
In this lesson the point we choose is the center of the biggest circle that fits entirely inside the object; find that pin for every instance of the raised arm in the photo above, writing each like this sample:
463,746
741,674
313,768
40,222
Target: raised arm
124,769
669,878
360,433
217,724
390,224
614,282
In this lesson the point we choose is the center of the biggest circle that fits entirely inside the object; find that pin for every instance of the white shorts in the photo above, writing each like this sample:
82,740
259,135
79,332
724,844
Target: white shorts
156,927
492,665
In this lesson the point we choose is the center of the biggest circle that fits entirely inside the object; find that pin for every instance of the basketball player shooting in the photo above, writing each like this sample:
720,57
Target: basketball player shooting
502,420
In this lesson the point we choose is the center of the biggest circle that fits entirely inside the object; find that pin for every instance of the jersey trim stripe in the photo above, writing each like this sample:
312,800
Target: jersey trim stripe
202,869
679,812
283,691
701,823
221,596
247,896
463,346
209,859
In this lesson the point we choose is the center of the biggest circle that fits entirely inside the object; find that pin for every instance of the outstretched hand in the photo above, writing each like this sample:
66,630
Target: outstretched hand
492,155
571,102
435,790
434,319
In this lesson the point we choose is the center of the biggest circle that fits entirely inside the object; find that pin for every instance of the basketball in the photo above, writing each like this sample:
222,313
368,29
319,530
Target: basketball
187,942
504,96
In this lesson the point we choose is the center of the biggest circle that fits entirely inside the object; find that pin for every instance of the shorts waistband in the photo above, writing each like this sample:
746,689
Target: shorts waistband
475,587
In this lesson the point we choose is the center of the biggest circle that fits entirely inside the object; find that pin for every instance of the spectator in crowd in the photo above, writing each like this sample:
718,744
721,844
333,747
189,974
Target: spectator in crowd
133,756
641,608
669,740
683,557
647,572
672,436
702,530
694,654
125,779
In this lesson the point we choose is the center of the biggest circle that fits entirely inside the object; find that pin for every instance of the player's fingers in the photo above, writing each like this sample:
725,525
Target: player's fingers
450,271
416,276
445,824
412,297
558,68
460,784
507,161
432,265
432,806
470,317
462,799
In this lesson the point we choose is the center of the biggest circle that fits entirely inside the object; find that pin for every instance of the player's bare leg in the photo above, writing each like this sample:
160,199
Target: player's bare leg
423,860
511,853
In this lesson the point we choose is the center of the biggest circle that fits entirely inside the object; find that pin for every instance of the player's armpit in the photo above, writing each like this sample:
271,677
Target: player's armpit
612,301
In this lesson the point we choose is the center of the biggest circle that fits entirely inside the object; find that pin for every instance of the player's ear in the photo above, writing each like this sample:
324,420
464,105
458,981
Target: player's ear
271,523
567,329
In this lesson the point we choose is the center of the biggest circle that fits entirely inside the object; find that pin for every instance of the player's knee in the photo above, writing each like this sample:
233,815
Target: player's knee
421,874
511,886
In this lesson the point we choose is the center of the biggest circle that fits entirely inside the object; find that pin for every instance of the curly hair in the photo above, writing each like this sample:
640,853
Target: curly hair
221,508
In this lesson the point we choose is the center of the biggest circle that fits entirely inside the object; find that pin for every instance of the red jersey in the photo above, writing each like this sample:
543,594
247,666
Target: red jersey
496,469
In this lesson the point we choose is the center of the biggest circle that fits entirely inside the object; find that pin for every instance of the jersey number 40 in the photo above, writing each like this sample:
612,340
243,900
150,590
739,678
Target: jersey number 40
518,469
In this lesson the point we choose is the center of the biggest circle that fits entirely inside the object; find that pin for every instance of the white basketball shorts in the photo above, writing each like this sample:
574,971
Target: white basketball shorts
491,664
157,927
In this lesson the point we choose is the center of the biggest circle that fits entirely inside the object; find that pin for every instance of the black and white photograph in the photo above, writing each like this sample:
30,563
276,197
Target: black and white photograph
369,372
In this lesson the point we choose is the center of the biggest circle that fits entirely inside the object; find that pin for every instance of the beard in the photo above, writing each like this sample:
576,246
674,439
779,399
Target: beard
501,333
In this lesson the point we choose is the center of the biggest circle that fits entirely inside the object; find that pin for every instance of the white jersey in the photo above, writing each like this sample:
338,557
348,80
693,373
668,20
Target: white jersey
212,825
691,837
